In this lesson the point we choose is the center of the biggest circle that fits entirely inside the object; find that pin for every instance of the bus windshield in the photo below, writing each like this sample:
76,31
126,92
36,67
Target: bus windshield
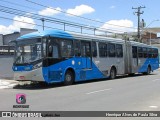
28,53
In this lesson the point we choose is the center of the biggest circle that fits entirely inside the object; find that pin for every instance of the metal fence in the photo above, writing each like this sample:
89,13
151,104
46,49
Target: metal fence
6,50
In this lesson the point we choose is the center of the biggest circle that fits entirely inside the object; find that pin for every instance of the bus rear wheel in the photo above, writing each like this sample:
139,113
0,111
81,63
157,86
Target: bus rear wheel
148,71
69,78
112,73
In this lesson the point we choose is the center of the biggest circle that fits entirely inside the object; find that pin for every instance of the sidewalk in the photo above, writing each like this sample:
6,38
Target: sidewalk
4,83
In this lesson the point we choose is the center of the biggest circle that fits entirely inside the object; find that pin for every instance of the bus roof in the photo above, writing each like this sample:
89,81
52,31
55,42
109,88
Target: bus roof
54,33
72,35
67,35
95,37
141,44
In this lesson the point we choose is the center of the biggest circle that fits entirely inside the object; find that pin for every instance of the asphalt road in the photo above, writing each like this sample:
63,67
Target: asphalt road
137,93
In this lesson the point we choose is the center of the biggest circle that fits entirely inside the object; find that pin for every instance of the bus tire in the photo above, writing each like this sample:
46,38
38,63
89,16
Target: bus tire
112,73
69,78
131,74
148,70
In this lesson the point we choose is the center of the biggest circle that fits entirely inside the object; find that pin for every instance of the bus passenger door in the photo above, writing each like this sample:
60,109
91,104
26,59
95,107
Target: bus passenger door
53,57
86,54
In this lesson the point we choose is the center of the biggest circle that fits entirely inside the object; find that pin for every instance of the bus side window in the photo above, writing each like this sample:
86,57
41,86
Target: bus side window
103,50
66,48
53,51
85,47
119,50
77,48
149,53
94,49
134,51
111,50
145,55
155,52
140,52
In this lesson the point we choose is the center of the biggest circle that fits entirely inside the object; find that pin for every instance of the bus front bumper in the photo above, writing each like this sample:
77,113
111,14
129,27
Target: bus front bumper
33,75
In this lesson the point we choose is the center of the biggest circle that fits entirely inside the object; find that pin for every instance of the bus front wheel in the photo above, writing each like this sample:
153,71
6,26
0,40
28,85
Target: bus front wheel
69,78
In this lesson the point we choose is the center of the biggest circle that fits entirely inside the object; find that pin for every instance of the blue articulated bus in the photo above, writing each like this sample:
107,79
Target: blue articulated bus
55,56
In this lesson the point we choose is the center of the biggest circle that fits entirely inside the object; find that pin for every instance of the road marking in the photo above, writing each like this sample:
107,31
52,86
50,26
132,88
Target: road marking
97,91
153,106
156,80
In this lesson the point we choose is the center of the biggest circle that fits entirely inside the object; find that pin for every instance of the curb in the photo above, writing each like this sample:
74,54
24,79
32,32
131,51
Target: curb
7,83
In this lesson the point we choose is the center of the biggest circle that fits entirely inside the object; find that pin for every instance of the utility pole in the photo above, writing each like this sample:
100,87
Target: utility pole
138,12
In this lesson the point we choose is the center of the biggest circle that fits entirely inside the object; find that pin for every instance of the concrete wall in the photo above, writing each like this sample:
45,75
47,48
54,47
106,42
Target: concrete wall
6,63
24,31
5,39
9,37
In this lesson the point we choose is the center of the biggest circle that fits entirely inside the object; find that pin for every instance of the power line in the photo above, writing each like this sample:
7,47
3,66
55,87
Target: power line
76,15
34,16
33,24
62,12
26,7
24,22
16,4
48,19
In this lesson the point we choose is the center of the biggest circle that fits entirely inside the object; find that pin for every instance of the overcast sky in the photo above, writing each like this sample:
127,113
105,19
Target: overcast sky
117,12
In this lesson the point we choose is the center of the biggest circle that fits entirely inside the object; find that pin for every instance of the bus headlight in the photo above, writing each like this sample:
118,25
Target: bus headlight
15,68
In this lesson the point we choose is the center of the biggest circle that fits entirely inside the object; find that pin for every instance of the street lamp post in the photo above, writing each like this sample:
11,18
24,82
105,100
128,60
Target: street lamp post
150,35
